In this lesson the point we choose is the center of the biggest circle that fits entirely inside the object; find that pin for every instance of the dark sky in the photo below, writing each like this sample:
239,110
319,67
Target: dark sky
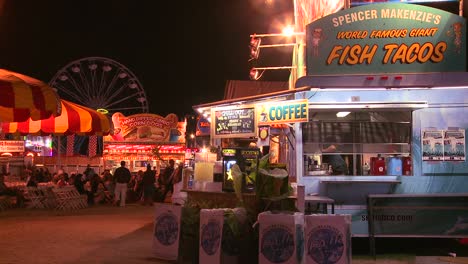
182,52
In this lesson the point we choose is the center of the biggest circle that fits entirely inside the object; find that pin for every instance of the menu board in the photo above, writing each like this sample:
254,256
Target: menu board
12,146
233,122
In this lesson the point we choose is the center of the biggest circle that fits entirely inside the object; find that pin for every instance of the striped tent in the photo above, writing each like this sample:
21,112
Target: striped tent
23,97
75,119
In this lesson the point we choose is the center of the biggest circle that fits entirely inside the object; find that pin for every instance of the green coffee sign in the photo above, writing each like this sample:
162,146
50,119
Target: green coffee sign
384,38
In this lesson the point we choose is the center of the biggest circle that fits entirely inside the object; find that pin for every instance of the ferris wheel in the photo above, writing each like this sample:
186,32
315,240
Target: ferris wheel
101,84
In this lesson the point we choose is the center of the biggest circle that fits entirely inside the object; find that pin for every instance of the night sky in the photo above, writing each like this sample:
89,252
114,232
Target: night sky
182,52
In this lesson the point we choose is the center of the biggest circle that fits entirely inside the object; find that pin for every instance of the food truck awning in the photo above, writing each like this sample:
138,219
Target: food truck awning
249,99
353,106
385,81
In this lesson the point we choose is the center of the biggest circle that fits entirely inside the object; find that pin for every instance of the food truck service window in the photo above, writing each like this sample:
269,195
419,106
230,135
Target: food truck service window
357,142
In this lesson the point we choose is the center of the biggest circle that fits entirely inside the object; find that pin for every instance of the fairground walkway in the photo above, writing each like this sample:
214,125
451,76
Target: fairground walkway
106,234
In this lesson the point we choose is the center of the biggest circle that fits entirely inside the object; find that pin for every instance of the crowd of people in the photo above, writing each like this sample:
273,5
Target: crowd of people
145,187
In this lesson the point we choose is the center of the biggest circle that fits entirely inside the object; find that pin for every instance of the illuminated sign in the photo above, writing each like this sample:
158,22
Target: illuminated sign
203,126
11,146
386,37
146,127
364,2
233,122
283,112
229,152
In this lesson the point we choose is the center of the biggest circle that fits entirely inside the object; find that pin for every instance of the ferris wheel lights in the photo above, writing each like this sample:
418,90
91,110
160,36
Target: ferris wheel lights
102,111
90,80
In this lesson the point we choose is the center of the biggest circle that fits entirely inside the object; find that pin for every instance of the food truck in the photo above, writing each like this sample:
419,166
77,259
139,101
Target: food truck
385,94
387,88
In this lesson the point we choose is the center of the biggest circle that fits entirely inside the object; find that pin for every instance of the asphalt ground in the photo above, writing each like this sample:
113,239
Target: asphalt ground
107,234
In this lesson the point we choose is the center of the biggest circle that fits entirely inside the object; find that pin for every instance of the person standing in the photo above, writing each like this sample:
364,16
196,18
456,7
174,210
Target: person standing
89,172
165,180
122,178
338,164
148,187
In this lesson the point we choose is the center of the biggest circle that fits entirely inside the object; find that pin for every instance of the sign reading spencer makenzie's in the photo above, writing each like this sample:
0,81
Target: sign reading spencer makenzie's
386,38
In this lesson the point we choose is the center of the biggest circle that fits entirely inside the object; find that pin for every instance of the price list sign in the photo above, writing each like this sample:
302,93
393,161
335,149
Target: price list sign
233,122
12,146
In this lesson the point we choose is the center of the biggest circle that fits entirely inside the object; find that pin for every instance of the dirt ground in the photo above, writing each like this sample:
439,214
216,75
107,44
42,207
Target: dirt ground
106,234
101,234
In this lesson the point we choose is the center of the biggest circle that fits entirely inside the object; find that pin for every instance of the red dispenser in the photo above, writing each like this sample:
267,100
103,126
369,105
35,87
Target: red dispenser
407,166
378,166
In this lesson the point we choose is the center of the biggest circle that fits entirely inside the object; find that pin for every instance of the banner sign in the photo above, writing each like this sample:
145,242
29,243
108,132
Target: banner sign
283,112
327,239
211,235
166,231
12,146
146,127
386,38
233,122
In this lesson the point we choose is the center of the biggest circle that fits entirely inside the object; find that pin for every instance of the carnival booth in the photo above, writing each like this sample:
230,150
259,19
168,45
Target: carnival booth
387,88
143,139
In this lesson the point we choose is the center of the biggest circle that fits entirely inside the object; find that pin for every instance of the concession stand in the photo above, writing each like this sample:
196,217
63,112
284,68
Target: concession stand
143,139
242,131
387,88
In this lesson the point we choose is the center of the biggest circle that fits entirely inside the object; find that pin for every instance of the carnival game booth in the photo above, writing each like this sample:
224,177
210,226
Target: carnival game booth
74,119
387,88
143,139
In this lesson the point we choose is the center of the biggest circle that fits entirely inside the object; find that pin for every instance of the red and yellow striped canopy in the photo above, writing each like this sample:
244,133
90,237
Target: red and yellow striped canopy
23,97
75,119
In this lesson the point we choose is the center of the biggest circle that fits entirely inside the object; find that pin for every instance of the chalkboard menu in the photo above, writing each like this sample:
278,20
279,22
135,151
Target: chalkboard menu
233,122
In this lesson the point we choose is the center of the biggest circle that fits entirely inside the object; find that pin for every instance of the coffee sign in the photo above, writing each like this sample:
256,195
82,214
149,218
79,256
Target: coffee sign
290,111
384,38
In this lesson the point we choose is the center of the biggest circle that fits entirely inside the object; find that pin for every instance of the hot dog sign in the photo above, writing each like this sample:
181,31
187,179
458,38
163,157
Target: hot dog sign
387,37
144,127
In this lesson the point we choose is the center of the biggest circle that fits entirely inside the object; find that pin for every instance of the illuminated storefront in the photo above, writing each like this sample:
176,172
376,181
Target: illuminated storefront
144,139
